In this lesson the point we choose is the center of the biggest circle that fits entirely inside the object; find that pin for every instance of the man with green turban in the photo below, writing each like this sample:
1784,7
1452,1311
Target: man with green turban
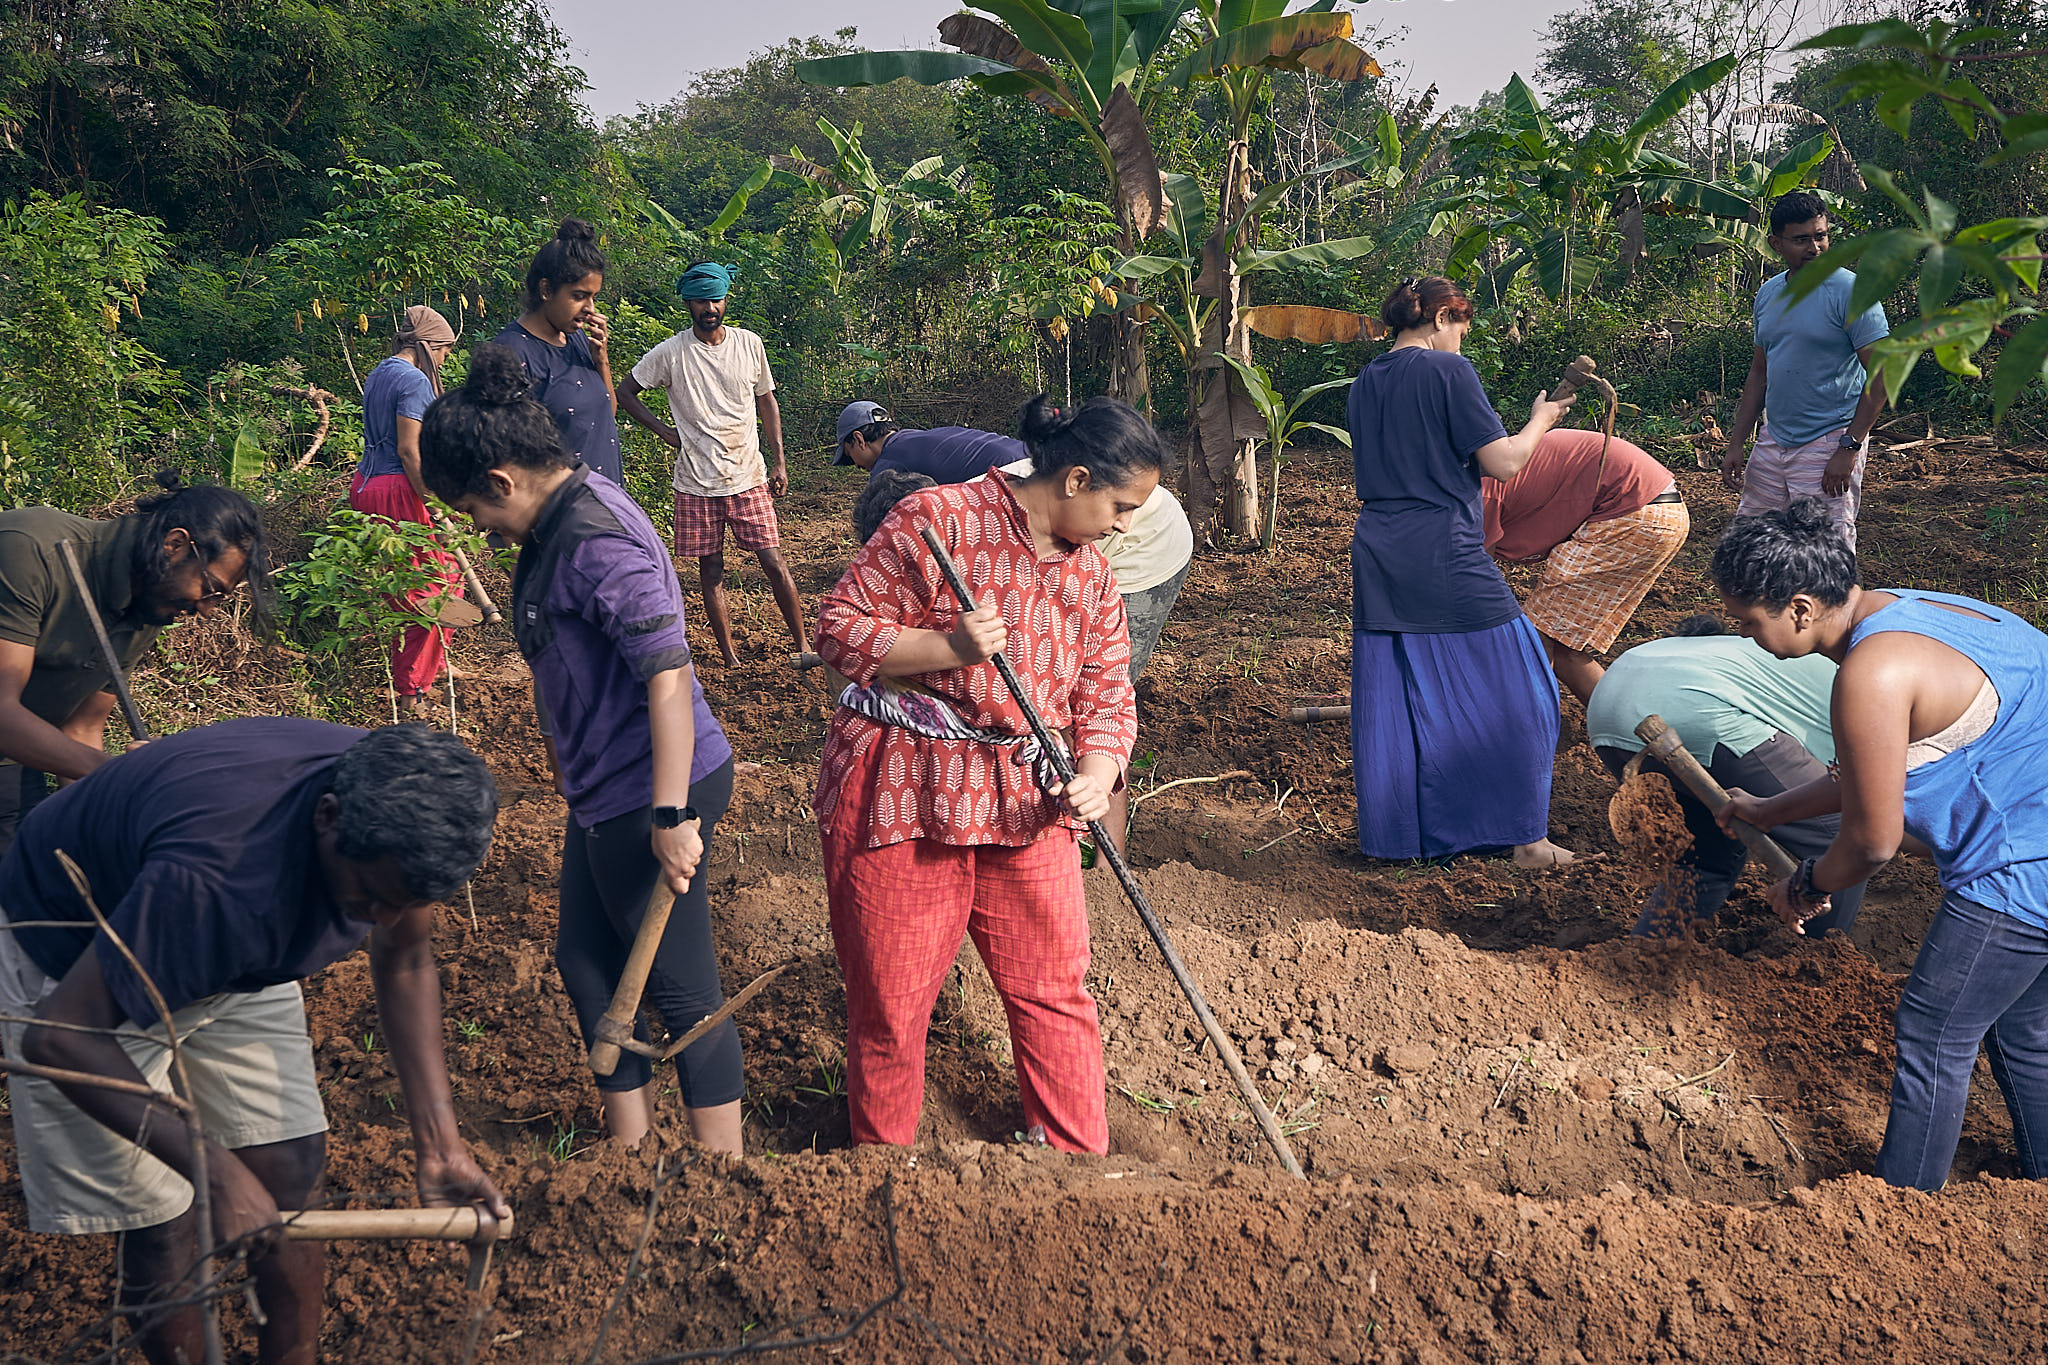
721,395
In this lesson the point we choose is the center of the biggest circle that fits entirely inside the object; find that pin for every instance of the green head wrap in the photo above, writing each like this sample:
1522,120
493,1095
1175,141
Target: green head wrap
708,280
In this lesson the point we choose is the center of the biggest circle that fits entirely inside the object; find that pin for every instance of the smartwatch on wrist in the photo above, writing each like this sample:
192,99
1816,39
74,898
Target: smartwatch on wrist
1849,442
668,817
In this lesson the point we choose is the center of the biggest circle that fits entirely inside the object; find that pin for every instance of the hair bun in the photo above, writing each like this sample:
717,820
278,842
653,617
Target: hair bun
1808,519
171,480
1041,418
575,230
497,376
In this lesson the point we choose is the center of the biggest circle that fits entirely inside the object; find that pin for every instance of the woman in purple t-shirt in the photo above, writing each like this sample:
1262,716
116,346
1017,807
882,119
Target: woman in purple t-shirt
646,770
387,484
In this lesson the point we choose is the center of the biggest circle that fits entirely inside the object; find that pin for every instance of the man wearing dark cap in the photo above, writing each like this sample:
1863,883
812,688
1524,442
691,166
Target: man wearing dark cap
871,438
721,395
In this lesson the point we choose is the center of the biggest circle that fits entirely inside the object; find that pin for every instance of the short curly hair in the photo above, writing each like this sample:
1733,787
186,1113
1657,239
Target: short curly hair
421,797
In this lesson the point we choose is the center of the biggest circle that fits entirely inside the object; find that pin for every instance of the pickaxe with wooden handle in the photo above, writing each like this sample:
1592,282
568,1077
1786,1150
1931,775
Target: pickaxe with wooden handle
476,585
1661,742
469,1224
67,552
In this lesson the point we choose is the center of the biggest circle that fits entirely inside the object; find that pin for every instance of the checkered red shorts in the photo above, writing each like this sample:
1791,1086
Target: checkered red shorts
701,522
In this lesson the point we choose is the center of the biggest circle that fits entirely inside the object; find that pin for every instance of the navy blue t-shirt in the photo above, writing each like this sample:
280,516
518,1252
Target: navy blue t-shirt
567,382
199,848
1418,557
949,454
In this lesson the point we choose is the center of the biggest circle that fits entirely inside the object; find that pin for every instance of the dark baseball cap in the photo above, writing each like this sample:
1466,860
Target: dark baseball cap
852,418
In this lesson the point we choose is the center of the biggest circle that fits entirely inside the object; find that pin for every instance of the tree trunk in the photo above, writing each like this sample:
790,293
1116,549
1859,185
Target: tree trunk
1130,377
1226,424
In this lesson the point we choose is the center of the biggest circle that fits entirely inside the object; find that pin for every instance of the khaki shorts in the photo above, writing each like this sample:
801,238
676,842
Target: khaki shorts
251,1066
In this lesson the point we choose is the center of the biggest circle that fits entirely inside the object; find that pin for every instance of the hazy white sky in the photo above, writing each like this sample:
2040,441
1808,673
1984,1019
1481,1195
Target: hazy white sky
643,51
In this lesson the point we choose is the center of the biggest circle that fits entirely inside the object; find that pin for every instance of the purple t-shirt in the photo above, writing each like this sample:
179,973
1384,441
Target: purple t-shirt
567,382
396,388
598,611
949,454
199,848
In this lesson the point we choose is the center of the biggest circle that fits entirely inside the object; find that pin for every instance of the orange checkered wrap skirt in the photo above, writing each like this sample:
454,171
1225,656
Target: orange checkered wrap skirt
1594,582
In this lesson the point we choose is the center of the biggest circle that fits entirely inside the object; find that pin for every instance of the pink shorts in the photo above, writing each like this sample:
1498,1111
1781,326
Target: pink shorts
701,522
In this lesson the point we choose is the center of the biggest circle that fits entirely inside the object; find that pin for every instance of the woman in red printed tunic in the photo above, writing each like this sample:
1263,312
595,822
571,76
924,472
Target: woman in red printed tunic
937,815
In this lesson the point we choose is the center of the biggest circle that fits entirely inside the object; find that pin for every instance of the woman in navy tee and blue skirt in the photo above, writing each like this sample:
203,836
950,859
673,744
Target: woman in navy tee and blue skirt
1941,747
1454,713
562,339
646,770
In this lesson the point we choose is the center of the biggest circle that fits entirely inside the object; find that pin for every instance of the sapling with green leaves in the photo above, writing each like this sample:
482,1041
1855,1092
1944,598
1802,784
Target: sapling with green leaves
1281,426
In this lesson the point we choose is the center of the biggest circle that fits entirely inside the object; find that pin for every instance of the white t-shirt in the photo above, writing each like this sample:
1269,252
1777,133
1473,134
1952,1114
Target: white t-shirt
711,393
1159,544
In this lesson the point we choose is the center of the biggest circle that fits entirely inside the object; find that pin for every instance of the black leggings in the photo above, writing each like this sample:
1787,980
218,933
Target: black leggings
608,873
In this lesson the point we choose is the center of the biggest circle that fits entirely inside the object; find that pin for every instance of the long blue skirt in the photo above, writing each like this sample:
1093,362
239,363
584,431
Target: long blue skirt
1453,738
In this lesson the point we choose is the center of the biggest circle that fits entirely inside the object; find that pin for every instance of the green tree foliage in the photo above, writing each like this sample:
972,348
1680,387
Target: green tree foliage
1604,63
691,153
79,394
221,117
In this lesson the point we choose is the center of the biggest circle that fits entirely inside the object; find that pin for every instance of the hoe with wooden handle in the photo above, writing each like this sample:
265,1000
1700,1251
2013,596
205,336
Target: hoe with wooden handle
471,1225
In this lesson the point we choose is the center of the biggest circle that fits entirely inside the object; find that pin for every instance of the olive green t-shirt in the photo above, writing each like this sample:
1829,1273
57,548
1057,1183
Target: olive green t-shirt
39,607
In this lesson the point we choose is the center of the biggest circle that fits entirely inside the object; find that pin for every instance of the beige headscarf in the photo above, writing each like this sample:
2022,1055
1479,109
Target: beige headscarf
423,327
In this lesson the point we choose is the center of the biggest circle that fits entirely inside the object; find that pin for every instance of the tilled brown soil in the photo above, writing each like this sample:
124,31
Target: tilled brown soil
1527,1137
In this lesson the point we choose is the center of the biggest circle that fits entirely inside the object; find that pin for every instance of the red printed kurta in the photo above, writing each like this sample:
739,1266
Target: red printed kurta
1068,641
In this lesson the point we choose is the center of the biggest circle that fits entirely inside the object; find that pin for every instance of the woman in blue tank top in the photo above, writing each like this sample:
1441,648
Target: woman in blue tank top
1941,737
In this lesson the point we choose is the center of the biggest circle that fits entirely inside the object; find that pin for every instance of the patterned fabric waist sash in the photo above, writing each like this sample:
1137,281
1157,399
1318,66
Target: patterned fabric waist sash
922,713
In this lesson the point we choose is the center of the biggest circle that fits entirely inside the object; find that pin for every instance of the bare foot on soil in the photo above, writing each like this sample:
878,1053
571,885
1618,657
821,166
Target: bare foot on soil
1544,854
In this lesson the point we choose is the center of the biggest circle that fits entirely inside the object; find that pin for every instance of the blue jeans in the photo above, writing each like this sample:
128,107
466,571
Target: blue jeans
1981,977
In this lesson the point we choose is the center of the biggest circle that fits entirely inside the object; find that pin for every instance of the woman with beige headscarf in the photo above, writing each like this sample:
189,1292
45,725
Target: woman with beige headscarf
387,484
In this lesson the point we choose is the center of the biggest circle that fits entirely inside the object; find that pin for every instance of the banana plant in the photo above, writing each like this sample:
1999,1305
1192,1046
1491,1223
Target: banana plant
1086,60
1281,426
853,197
1550,200
1246,41
1758,185
2002,257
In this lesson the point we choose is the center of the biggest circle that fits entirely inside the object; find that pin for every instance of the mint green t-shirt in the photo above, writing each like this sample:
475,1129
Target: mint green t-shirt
1715,689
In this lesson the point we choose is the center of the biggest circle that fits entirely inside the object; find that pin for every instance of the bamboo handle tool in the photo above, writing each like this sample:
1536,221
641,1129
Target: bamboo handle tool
615,1029
467,1224
1225,1049
68,552
475,585
1661,742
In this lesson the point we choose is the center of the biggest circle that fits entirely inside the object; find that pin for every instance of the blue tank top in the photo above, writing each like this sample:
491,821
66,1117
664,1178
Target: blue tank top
1983,808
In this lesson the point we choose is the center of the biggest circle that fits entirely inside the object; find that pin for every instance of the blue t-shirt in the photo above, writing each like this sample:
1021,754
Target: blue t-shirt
1418,557
396,388
567,382
1814,380
199,848
597,611
949,454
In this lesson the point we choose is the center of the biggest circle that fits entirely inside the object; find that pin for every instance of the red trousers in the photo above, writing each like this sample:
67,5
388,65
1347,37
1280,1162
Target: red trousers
898,913
417,658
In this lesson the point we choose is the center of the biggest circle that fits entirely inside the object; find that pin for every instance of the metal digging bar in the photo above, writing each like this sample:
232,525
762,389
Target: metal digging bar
1058,757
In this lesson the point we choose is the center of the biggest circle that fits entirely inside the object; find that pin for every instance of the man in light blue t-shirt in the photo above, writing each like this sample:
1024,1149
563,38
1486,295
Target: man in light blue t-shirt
1808,380
1755,722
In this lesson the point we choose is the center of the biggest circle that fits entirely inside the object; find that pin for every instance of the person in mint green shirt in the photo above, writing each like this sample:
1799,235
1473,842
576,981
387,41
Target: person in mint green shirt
1754,721
1808,380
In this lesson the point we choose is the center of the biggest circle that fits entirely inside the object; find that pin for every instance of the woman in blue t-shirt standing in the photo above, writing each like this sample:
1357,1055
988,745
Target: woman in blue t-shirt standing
561,338
1941,741
1453,707
387,484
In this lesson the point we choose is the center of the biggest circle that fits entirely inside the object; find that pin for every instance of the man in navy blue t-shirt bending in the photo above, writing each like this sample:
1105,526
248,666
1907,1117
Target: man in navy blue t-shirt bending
231,861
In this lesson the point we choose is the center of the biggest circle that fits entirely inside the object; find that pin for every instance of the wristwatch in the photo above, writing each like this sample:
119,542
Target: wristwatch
1802,887
668,817
1849,442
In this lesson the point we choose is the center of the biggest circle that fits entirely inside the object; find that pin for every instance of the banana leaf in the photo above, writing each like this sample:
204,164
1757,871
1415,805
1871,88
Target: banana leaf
1269,43
925,67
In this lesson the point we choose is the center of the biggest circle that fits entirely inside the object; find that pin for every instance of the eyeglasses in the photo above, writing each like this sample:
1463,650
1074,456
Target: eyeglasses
216,591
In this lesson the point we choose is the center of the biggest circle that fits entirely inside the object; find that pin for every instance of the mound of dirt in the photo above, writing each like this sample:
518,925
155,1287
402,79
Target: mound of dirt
1528,1137
1650,827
